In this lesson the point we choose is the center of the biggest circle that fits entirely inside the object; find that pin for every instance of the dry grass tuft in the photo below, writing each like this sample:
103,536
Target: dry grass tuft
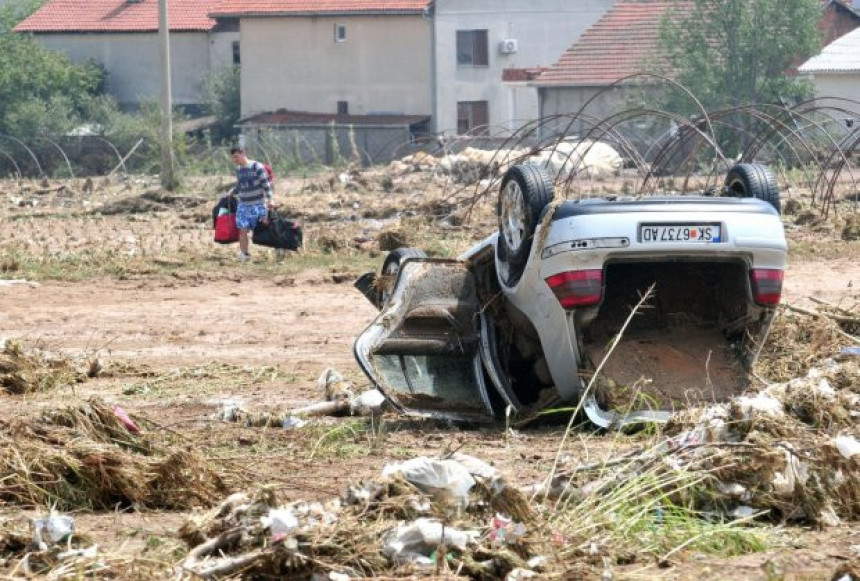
392,239
85,457
26,371
795,344
851,230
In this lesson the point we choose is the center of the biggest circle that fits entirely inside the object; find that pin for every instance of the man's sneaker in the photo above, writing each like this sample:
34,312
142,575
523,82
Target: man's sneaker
243,257
280,253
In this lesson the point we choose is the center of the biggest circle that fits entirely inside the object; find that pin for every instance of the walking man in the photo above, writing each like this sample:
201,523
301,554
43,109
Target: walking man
254,196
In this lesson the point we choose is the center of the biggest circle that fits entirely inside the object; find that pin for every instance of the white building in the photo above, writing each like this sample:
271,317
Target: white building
835,72
122,35
464,64
486,52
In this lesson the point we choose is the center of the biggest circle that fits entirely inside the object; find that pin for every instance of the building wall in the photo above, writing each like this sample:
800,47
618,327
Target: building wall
383,66
842,86
221,49
133,62
567,101
543,29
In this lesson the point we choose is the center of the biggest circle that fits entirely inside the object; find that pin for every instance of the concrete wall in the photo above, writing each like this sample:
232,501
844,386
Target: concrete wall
544,29
569,100
133,61
843,86
295,63
328,145
221,49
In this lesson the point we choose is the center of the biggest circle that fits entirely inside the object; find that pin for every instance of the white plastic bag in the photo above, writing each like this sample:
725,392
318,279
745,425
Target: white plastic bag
280,522
415,542
367,403
848,446
435,476
52,529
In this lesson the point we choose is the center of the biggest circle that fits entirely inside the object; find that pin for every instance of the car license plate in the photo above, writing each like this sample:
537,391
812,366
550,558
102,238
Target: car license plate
679,233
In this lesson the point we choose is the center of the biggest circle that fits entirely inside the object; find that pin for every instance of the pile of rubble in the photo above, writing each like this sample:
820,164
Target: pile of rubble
562,160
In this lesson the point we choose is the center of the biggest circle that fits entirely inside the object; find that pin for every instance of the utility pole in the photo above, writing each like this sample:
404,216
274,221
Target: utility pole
168,181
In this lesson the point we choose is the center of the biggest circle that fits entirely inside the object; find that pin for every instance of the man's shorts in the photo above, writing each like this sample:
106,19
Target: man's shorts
247,215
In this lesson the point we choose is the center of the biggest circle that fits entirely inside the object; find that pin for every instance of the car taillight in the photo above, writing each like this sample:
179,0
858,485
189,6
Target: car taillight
577,288
766,285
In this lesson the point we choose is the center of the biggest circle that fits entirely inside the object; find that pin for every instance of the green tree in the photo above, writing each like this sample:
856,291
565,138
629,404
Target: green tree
737,52
40,90
222,100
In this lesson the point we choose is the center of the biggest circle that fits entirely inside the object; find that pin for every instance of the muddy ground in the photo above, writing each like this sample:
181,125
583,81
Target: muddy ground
179,329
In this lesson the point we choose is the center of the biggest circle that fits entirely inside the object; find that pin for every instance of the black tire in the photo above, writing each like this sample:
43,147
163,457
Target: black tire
391,268
751,180
526,190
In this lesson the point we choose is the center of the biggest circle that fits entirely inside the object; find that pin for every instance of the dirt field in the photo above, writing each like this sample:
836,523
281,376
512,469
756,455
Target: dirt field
181,329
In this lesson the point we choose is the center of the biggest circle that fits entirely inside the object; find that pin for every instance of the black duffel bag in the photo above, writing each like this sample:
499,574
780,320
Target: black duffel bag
278,233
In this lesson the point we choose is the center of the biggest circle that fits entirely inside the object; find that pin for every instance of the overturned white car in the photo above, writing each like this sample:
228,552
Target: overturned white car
541,308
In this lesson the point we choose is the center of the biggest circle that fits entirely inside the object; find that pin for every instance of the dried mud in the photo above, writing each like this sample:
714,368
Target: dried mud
670,371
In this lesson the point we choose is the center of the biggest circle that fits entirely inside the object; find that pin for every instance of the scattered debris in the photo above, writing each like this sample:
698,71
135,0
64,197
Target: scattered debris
50,548
340,399
592,159
784,452
788,452
152,201
374,531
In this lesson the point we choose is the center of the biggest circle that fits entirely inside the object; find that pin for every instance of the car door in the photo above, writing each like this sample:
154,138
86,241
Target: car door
423,350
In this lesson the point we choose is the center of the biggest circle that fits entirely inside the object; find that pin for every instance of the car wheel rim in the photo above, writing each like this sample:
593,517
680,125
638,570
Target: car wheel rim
513,216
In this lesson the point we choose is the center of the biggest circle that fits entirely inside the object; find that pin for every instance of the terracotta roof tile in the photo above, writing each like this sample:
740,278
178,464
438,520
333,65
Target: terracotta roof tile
297,7
117,16
616,46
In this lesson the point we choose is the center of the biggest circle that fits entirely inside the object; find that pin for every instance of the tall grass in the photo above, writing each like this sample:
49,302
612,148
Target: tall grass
652,512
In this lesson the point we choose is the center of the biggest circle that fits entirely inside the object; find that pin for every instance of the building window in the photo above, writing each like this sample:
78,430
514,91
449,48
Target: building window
343,107
472,48
472,117
340,32
237,58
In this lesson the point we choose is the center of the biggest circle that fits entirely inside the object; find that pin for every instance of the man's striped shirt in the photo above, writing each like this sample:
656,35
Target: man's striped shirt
253,185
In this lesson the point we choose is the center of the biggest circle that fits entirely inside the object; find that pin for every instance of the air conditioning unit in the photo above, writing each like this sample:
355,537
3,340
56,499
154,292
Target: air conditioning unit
508,46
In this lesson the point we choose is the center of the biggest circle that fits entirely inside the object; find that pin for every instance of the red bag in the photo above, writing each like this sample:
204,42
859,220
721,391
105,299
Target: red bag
224,221
226,230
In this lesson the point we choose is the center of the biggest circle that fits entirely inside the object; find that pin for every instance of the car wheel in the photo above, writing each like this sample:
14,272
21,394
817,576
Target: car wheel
751,180
526,190
391,268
